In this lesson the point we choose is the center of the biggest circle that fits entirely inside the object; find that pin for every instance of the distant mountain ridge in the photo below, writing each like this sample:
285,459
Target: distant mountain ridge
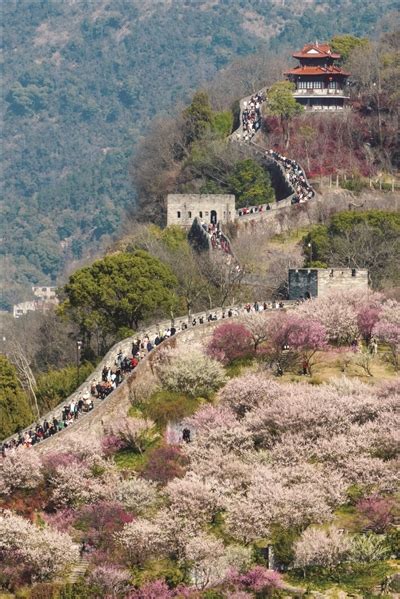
82,81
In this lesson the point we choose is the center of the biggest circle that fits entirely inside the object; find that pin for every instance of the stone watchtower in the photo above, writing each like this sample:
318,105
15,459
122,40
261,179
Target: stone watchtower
305,283
183,208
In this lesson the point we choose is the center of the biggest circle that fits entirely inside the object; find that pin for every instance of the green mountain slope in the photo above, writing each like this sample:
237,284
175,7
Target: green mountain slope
82,80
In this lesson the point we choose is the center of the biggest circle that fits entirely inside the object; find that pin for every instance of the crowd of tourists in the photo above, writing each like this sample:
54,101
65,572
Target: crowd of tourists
218,239
113,375
49,427
251,122
295,176
253,210
251,116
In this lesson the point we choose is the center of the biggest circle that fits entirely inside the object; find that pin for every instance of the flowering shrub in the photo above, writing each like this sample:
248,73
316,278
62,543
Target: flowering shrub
307,337
336,313
62,520
83,451
164,463
229,342
193,498
229,437
100,521
86,448
246,393
275,499
377,513
109,580
137,494
367,318
191,373
79,483
373,475
21,469
228,472
388,330
257,579
52,461
142,539
208,418
210,561
157,589
110,444
42,552
323,548
291,336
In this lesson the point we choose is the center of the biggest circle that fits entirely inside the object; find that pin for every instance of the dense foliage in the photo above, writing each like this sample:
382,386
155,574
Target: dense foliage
281,103
15,411
250,184
50,388
80,86
118,292
368,239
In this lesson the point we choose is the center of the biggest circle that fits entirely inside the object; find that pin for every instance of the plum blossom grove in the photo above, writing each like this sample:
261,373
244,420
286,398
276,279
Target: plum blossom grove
269,463
338,321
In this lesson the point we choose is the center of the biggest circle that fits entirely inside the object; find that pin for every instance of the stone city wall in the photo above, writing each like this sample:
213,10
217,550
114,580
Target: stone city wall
117,404
306,283
285,217
337,279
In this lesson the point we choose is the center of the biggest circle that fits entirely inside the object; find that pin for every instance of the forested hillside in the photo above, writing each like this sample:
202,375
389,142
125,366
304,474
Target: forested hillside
81,82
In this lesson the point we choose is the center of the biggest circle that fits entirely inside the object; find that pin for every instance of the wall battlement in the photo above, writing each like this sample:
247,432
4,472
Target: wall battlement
306,283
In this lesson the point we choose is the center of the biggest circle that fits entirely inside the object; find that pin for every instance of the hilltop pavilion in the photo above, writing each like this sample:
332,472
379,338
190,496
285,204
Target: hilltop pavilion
320,83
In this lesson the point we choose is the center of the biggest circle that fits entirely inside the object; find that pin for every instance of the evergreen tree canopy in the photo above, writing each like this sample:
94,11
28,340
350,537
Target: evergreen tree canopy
251,184
198,116
345,44
15,412
119,291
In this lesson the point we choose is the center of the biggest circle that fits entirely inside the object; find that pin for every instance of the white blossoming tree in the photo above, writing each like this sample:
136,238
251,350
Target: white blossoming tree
191,373
21,469
42,551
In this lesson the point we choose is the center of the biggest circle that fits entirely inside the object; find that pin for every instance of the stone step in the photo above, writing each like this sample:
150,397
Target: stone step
78,570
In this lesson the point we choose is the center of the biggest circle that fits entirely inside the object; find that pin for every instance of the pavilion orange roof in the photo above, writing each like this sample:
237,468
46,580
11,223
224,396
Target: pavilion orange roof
317,70
316,51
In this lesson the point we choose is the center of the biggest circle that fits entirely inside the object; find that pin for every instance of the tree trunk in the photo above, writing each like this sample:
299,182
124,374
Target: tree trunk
286,131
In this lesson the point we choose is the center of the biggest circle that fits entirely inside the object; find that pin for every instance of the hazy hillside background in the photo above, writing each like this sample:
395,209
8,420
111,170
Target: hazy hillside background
81,82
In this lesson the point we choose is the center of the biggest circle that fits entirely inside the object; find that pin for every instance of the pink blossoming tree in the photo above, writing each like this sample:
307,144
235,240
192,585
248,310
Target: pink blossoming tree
229,342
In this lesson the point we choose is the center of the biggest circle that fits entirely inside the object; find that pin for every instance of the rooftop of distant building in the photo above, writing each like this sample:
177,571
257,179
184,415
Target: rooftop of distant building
317,50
